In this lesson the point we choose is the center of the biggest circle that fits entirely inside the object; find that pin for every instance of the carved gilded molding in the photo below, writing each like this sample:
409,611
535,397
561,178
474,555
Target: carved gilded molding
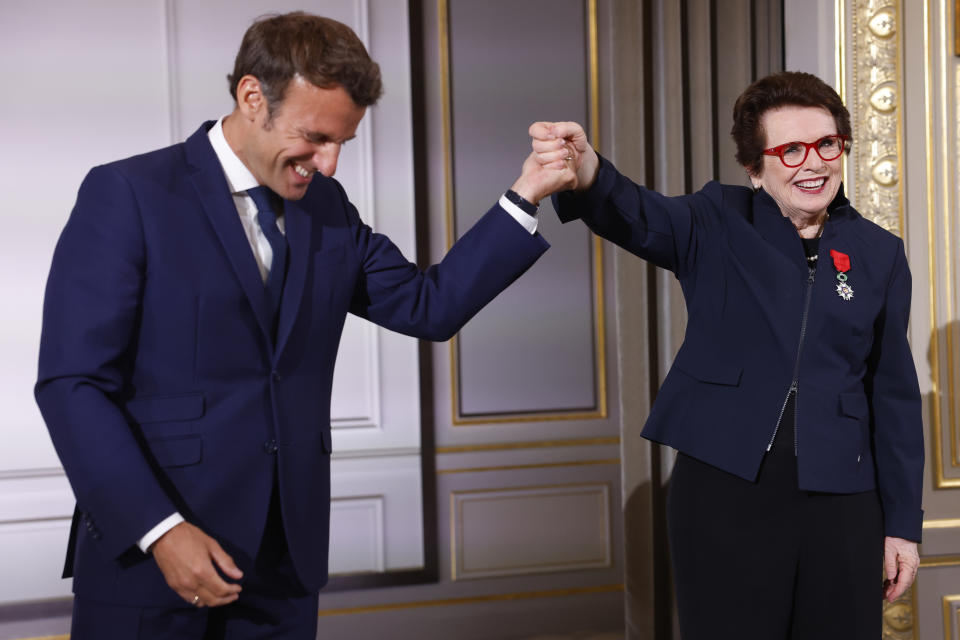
872,77
871,81
898,618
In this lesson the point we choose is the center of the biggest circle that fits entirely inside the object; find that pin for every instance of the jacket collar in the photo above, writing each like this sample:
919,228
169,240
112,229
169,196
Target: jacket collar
779,232
839,209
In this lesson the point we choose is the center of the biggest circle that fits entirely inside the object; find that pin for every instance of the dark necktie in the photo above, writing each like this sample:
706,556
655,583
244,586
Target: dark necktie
268,203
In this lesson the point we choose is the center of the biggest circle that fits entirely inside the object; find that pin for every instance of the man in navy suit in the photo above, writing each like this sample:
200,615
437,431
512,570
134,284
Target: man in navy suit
191,323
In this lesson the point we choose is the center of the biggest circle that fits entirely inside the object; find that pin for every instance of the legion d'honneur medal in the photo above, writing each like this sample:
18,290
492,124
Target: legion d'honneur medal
842,263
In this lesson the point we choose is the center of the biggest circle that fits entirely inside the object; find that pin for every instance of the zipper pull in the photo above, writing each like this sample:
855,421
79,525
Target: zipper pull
796,400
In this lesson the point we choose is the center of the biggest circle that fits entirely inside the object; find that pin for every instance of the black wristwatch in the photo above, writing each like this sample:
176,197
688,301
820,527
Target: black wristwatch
525,205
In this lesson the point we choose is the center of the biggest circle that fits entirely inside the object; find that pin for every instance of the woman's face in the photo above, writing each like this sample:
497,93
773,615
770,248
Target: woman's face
806,190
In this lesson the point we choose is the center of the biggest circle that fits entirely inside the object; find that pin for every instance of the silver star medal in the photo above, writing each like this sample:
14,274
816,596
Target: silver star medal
844,290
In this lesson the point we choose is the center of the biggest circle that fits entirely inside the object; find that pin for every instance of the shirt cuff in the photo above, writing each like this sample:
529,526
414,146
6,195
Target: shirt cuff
154,534
525,219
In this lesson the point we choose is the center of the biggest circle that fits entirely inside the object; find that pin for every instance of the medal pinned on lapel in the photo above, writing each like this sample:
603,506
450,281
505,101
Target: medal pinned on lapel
841,262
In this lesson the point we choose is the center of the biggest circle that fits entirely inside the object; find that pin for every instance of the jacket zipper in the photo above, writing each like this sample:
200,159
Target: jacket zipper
795,382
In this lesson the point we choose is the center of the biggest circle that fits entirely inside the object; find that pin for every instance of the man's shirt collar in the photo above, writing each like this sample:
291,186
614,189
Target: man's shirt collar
238,176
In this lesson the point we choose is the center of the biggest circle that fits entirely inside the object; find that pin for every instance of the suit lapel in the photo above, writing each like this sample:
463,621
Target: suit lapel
213,192
298,230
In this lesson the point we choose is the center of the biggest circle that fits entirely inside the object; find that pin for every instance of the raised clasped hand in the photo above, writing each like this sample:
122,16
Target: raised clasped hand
186,556
559,145
562,160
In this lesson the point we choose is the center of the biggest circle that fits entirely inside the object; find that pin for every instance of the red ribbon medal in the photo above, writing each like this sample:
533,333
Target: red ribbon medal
841,262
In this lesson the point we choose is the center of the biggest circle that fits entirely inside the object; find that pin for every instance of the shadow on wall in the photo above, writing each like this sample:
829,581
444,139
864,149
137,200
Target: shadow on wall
650,608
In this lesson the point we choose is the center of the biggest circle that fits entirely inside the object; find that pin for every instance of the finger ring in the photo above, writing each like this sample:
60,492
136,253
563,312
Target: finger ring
569,158
196,600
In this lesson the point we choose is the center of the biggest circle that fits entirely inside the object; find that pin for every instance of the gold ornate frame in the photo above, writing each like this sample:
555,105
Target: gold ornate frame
872,87
869,79
873,97
600,374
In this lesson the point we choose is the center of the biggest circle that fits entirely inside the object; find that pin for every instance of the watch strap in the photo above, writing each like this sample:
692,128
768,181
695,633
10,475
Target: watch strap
525,205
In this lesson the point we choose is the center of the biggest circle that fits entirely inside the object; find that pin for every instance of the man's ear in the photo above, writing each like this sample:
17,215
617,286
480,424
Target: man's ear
250,99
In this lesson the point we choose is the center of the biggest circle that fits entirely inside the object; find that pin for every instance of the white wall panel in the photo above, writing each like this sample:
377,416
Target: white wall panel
395,481
38,495
35,512
87,85
105,79
31,560
79,103
356,535
389,209
356,380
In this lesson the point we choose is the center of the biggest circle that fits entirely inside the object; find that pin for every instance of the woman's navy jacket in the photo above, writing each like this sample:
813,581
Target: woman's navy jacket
760,322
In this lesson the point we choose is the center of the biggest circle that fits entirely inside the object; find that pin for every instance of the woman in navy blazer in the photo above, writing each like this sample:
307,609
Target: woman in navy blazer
793,401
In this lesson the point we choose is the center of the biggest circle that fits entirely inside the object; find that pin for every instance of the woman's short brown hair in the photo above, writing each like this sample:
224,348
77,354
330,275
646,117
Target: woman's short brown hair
793,88
326,53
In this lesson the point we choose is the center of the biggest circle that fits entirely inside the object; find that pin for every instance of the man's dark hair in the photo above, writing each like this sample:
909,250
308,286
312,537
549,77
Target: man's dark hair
324,52
787,88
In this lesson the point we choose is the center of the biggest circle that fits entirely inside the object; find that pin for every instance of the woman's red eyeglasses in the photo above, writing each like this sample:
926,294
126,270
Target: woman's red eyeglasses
794,154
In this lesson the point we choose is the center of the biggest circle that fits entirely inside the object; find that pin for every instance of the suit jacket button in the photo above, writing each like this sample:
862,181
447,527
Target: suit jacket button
270,446
276,376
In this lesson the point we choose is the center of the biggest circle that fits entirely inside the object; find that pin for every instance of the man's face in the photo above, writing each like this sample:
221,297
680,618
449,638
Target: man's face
304,136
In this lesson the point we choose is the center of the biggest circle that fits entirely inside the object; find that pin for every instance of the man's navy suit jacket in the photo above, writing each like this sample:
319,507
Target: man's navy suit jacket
159,381
744,275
